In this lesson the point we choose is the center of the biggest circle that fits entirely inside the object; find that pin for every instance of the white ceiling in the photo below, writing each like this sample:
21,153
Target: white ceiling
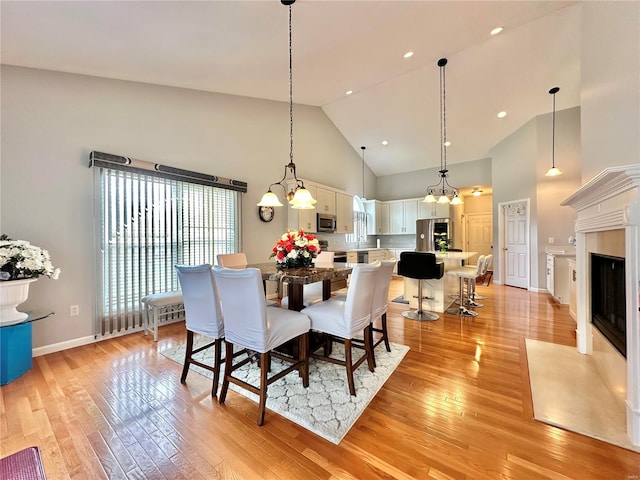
241,48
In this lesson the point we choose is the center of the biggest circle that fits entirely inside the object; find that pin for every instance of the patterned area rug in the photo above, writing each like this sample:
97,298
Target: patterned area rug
325,407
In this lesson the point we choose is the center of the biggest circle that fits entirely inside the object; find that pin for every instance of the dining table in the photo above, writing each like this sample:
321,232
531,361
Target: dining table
297,278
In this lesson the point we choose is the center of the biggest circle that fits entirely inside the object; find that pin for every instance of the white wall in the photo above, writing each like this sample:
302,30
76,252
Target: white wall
51,121
610,78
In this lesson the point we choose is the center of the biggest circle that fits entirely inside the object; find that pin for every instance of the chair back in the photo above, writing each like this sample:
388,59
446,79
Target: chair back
480,265
243,305
201,301
232,260
381,292
487,263
324,258
420,265
357,310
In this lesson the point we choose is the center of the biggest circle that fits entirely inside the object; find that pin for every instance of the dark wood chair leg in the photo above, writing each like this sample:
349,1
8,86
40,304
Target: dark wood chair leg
304,356
367,348
384,332
187,356
217,347
228,365
349,364
264,362
371,344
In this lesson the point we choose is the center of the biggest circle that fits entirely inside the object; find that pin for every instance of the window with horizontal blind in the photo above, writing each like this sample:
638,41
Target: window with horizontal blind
148,219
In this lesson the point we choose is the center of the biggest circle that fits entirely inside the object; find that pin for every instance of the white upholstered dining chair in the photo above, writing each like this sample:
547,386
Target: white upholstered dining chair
203,316
346,318
232,260
256,327
379,305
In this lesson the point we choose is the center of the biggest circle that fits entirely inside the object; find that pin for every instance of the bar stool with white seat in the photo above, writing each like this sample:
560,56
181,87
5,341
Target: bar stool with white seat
471,284
420,266
256,327
481,278
203,316
465,275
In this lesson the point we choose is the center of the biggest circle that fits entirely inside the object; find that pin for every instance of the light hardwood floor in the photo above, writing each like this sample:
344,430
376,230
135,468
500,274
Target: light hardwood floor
457,407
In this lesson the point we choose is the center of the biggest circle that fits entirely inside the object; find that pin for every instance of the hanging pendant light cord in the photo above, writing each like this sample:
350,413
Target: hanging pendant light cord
443,119
290,92
363,149
553,134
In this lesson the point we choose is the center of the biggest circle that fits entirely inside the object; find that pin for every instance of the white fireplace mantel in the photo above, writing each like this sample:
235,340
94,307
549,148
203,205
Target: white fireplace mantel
611,201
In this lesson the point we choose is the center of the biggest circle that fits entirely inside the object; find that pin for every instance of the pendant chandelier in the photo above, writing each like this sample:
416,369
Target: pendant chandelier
298,196
553,171
444,192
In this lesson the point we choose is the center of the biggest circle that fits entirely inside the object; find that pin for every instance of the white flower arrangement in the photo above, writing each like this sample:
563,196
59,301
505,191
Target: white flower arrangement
19,260
295,249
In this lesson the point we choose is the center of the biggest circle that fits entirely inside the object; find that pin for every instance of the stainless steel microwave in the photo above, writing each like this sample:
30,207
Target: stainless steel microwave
326,223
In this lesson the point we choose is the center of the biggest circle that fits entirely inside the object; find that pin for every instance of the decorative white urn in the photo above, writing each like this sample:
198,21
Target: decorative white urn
12,294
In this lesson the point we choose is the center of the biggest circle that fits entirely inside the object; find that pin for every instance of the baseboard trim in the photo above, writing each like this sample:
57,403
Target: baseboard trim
58,347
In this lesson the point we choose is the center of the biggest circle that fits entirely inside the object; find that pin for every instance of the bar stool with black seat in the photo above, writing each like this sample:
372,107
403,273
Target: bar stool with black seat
421,266
203,316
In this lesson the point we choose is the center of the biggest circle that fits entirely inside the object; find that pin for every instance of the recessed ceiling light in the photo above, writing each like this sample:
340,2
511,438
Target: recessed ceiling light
384,142
348,92
447,143
502,114
476,192
496,30
408,55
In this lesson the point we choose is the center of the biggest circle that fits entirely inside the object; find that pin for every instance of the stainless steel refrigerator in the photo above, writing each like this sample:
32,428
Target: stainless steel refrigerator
430,231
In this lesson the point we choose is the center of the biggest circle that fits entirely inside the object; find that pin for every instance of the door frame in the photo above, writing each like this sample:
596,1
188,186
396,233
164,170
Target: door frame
501,240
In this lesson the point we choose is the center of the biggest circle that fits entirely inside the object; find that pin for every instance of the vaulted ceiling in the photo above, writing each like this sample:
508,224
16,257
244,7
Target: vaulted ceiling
241,48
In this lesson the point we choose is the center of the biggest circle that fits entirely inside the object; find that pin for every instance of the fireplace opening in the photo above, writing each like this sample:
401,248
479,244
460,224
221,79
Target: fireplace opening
608,305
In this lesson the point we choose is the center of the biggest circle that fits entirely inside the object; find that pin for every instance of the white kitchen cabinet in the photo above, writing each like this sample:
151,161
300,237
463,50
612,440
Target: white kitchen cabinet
558,277
303,219
375,255
326,201
344,213
433,210
377,217
402,216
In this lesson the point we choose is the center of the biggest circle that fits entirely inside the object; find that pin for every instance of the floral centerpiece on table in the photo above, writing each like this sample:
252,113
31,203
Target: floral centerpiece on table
295,249
19,260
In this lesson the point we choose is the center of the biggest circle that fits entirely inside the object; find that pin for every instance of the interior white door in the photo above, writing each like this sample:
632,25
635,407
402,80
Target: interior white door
516,244
479,234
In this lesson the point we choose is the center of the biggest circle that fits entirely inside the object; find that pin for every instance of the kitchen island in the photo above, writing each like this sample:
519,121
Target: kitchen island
438,293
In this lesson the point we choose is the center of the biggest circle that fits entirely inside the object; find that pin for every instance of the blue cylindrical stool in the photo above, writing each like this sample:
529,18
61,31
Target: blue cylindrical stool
15,351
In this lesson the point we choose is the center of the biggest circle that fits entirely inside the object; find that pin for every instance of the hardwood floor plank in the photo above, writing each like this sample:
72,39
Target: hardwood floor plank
457,407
